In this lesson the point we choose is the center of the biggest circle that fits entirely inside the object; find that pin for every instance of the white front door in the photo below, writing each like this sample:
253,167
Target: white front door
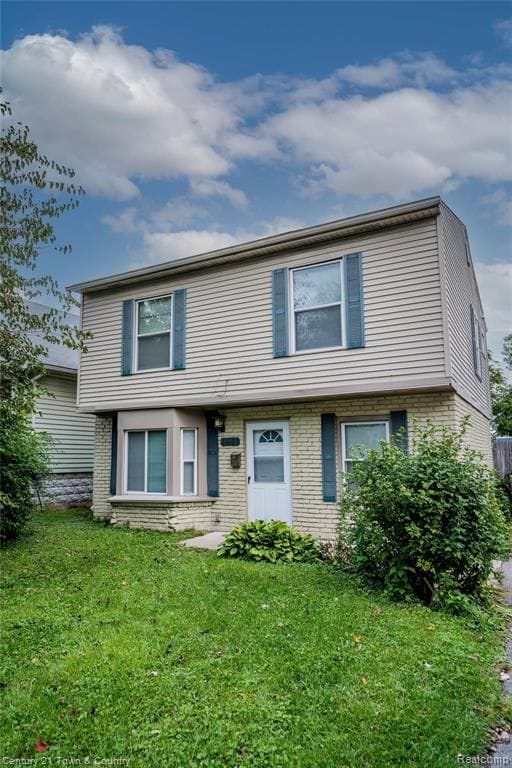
269,489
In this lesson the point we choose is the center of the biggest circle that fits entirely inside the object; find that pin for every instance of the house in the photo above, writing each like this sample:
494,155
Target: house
72,432
237,384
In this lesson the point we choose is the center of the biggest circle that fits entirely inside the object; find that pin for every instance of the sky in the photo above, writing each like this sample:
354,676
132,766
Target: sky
197,125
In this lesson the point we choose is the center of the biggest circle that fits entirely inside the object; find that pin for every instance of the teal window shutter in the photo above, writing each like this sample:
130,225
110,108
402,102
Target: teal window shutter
179,328
328,445
212,456
113,457
127,340
280,312
399,430
354,310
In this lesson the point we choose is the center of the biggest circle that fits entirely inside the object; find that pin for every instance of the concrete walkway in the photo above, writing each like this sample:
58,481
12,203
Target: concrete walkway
207,541
503,754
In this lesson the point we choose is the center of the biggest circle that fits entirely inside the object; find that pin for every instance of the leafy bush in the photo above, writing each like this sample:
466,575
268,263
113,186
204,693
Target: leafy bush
24,461
425,525
272,541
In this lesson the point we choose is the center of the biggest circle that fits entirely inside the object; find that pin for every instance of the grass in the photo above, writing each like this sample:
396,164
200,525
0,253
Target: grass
121,644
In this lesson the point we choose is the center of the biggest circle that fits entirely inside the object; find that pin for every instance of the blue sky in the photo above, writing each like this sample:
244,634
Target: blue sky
197,125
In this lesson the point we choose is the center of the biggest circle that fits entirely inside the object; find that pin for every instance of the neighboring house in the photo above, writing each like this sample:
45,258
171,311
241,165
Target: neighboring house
236,384
72,432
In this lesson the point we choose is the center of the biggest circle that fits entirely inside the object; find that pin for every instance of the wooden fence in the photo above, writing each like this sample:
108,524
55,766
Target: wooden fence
502,452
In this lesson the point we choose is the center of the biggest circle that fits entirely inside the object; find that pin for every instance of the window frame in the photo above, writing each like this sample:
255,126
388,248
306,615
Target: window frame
126,441
344,424
292,311
184,461
155,333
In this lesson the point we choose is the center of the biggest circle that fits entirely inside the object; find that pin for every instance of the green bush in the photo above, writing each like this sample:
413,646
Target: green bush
24,461
425,525
272,541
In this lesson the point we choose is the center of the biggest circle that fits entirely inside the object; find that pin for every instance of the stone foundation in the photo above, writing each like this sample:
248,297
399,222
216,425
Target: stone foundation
67,489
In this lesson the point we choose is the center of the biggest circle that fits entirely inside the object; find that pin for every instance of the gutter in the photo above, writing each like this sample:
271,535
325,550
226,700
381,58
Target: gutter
375,220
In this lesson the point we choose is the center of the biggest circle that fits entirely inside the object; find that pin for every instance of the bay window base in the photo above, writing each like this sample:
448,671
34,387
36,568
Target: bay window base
162,513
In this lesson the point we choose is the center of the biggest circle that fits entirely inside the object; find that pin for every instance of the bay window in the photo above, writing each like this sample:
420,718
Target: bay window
189,462
146,461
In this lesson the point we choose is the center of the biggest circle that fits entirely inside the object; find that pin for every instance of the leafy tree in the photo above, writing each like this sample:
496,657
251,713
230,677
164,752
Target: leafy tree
507,351
501,391
425,525
34,191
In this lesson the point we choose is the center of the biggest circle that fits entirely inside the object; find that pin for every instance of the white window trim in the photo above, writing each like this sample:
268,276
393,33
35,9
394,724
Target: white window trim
292,311
154,333
125,472
358,424
188,461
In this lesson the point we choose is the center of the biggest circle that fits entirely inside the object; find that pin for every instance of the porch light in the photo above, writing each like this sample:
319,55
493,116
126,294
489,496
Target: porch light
219,422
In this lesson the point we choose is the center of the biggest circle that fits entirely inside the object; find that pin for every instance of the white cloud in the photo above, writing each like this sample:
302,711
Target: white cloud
121,114
166,246
400,142
500,207
504,30
117,112
126,221
419,69
495,284
214,188
175,213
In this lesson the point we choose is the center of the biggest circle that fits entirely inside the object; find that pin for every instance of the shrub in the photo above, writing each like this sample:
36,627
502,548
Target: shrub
24,461
272,541
425,525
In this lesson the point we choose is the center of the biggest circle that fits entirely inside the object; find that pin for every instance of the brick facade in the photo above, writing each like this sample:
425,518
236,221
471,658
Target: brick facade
310,513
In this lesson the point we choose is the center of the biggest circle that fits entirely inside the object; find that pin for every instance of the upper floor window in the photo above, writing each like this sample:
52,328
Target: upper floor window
317,297
146,461
153,336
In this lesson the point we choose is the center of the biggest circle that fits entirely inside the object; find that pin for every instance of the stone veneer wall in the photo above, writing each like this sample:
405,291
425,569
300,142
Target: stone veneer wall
310,513
67,489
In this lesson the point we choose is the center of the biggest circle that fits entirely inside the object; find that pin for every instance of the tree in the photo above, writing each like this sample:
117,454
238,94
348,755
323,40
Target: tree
34,191
501,391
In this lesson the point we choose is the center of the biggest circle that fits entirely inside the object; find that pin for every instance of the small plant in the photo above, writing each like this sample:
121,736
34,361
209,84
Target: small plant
426,525
272,541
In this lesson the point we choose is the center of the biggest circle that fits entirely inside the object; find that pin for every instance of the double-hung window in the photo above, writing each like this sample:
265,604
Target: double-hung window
154,333
146,461
358,438
317,295
189,462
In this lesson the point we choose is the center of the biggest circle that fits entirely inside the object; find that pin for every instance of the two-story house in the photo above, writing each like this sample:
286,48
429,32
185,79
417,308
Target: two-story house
239,383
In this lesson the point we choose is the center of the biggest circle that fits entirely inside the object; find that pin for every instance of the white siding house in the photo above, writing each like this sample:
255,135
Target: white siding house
72,432
236,383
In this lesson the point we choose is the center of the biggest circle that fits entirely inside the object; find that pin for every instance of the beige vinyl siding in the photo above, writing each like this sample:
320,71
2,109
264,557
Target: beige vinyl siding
461,292
72,432
229,328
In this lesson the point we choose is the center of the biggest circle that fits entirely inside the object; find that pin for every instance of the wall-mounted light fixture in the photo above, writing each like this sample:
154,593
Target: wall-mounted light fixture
219,422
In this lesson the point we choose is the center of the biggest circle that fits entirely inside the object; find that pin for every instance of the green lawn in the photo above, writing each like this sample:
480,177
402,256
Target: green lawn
121,644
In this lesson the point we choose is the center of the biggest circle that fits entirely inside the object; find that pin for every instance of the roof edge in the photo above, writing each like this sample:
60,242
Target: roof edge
307,236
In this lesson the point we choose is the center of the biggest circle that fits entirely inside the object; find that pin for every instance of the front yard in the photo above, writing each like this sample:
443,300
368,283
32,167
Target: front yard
121,644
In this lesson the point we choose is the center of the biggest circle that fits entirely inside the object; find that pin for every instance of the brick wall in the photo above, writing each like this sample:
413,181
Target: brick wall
101,470
310,513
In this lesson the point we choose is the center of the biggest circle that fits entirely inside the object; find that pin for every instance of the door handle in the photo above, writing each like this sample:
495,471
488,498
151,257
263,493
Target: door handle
248,478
